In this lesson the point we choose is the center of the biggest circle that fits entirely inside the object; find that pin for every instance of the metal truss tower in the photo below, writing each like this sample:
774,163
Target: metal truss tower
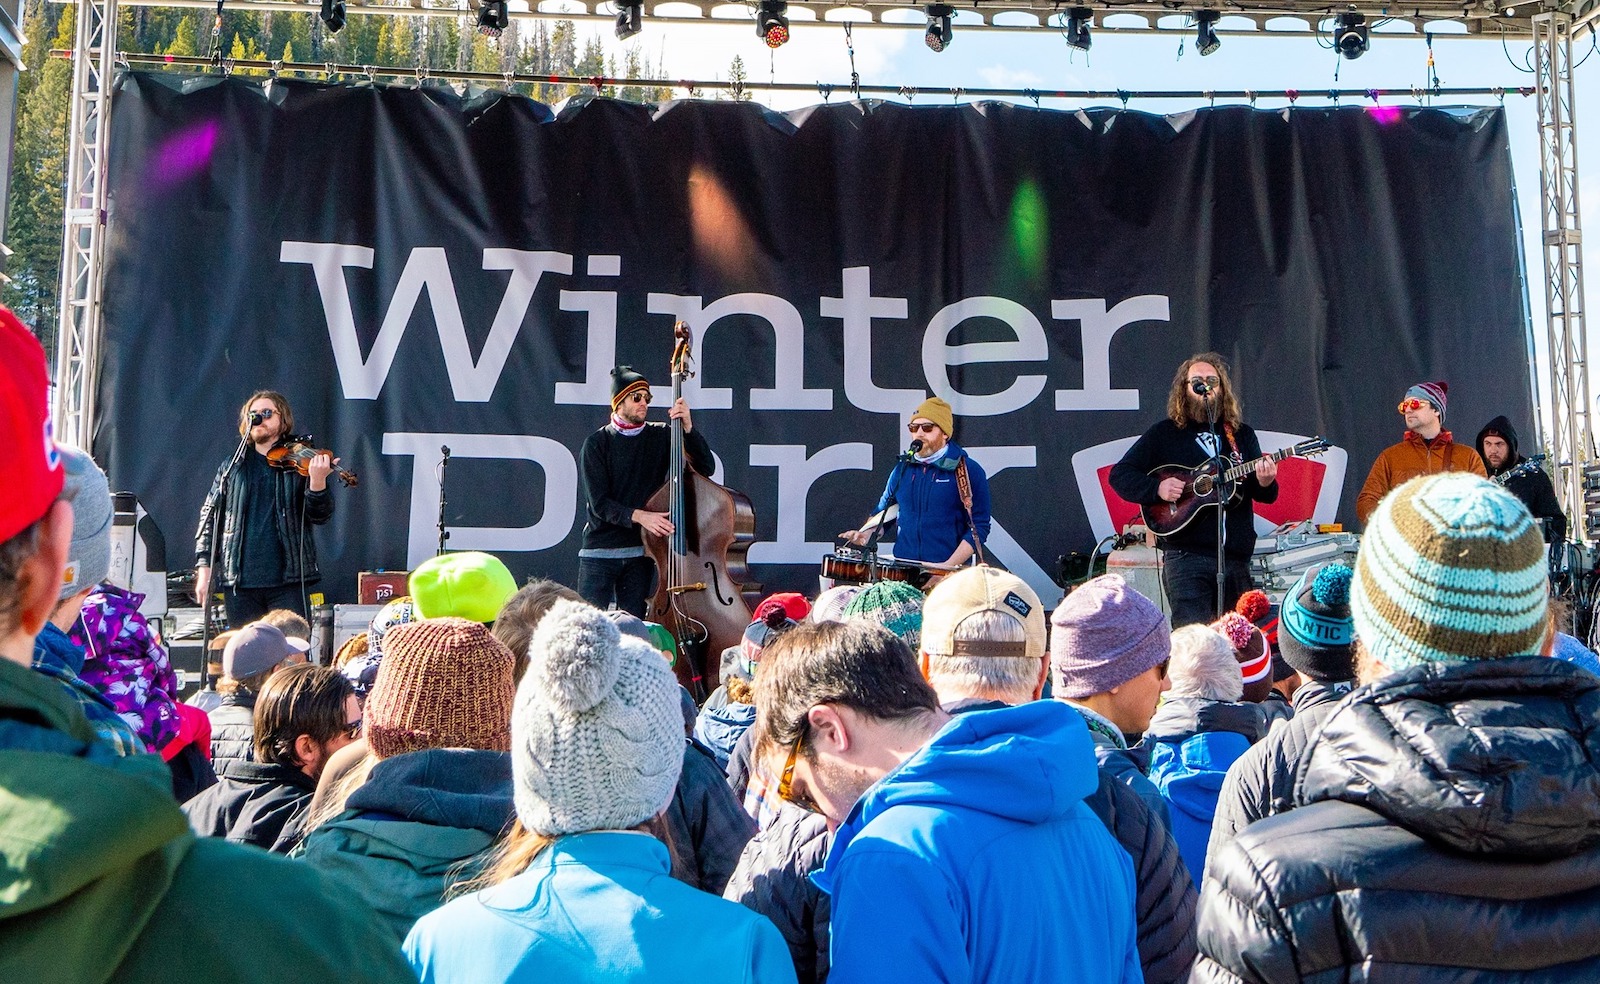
83,245
1571,441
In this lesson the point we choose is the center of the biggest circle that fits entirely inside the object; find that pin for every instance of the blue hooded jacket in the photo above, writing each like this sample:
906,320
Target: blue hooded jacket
977,860
932,520
1192,743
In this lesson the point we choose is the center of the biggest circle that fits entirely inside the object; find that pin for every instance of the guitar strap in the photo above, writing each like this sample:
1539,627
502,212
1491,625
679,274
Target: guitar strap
964,490
1233,445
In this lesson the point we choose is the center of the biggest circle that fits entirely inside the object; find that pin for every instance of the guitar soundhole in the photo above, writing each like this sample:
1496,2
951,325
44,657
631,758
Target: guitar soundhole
1202,485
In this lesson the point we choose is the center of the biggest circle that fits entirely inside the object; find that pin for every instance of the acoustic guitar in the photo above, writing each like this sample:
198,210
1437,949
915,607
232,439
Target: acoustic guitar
1202,487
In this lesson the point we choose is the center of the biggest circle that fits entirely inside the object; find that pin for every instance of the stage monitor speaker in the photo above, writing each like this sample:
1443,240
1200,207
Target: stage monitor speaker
138,555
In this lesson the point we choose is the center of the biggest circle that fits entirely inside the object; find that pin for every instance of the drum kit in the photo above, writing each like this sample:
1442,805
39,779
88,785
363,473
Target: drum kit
861,565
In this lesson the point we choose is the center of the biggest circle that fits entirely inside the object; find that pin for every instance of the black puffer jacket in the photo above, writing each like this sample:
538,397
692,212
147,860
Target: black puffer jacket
233,730
774,879
1259,784
1447,828
707,826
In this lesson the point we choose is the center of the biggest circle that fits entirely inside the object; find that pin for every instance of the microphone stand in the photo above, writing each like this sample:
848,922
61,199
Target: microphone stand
870,549
208,516
444,463
1220,461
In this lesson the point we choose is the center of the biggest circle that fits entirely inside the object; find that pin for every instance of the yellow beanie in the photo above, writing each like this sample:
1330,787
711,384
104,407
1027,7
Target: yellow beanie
939,412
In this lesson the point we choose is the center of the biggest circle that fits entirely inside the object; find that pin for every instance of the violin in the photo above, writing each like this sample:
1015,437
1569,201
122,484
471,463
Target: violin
295,455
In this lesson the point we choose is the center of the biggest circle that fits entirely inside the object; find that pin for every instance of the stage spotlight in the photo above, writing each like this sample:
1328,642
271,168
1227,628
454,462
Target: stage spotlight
493,18
937,36
1350,34
1205,31
771,26
1077,31
630,20
333,15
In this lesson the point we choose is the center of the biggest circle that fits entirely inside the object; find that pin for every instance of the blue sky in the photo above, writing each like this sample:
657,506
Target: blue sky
1039,59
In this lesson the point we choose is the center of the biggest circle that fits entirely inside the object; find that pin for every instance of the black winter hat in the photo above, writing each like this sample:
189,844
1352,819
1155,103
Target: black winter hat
625,380
1315,632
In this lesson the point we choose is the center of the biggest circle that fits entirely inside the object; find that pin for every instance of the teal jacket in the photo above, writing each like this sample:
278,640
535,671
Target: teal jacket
101,880
422,822
599,906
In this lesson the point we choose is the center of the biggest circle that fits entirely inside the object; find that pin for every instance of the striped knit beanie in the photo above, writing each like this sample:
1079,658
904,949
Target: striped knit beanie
1452,568
1433,393
895,605
443,683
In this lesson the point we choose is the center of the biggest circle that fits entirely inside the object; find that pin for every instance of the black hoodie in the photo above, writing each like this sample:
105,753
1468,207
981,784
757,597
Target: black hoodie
1532,487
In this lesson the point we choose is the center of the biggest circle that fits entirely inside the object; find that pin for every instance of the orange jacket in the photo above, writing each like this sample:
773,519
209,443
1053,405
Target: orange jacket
1412,457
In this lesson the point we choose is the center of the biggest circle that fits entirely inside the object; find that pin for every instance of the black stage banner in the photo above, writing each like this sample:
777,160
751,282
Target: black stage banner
419,268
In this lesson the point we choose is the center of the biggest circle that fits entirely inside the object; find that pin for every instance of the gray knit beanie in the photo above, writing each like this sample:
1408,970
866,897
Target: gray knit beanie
1105,634
89,556
596,733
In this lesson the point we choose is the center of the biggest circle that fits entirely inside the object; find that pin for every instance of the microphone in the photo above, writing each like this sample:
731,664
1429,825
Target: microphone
911,452
444,449
1200,388
255,419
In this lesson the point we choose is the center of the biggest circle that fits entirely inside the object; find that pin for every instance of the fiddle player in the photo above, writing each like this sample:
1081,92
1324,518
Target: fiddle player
934,525
1184,437
267,554
624,463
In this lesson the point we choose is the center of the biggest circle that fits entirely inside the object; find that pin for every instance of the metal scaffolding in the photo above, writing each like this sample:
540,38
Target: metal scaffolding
1571,441
83,245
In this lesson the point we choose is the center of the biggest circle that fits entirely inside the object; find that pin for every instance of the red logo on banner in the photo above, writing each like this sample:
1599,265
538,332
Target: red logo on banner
1309,488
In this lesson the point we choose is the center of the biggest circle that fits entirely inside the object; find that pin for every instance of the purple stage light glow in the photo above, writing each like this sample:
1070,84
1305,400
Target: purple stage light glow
1385,115
185,153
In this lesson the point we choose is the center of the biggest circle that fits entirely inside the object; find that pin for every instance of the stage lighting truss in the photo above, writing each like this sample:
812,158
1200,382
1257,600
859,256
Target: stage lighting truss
939,32
1591,497
493,18
771,25
1205,31
1350,34
1077,29
333,15
630,20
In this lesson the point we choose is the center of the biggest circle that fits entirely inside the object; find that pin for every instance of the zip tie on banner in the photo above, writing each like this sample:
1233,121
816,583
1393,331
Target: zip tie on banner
1373,95
598,82
1293,94
1032,94
825,90
1211,97
909,92
277,66
955,94
1124,95
1251,95
1333,97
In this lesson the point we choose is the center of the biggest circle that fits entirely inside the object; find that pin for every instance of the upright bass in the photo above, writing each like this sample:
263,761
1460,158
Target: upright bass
701,564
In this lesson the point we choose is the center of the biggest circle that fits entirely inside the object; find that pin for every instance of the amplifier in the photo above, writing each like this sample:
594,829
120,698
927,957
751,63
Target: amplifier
349,621
380,587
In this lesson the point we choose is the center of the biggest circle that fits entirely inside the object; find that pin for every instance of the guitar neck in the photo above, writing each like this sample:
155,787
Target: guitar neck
1240,471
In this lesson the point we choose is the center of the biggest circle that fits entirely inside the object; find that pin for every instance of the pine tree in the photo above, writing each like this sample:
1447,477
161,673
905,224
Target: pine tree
38,171
183,40
738,78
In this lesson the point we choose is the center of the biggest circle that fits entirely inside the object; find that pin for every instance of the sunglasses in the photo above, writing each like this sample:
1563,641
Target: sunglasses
353,729
786,780
1412,403
641,396
922,428
267,414
1208,380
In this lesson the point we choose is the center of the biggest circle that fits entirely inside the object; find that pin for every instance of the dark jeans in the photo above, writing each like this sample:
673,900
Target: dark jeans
248,604
1190,581
628,581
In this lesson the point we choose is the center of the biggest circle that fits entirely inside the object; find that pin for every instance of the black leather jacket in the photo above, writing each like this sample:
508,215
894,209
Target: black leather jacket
1447,828
297,507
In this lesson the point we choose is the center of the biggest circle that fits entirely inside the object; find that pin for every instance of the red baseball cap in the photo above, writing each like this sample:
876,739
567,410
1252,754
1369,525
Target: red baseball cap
31,470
